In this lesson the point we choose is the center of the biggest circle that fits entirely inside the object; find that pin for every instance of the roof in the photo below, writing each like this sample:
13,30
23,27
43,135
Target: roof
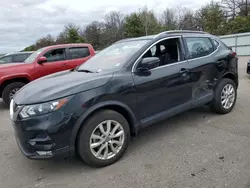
24,52
164,33
68,45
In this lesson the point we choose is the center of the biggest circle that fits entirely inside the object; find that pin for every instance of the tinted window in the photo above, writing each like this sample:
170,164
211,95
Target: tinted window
199,47
6,59
33,56
78,52
55,55
20,57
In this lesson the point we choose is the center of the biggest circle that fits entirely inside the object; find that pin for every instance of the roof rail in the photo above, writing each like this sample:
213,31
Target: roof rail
180,31
186,31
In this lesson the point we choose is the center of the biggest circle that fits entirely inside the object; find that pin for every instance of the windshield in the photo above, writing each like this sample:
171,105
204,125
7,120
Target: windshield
33,56
113,56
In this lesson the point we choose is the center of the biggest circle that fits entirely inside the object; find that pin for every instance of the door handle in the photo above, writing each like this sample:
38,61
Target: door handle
64,64
183,72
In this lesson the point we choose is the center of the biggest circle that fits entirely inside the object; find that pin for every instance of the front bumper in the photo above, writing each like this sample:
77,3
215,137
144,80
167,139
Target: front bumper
46,136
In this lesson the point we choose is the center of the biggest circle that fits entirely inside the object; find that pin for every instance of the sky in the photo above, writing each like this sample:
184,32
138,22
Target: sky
22,22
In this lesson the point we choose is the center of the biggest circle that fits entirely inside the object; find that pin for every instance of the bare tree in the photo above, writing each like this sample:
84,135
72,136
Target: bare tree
114,27
93,34
168,19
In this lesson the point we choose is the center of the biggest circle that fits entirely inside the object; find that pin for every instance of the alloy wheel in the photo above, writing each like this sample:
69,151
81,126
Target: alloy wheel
107,139
227,96
13,92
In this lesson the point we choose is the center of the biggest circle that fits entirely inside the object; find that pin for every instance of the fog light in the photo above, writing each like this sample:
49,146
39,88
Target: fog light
44,153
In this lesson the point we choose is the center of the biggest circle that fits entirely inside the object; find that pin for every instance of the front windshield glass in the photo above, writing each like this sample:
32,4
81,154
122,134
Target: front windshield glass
113,56
33,56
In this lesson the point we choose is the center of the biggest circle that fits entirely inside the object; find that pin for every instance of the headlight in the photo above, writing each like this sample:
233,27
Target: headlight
43,108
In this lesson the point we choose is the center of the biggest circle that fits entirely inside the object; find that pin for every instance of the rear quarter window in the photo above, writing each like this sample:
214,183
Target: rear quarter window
78,52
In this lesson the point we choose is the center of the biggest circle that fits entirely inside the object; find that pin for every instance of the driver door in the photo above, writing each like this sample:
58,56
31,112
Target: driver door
166,88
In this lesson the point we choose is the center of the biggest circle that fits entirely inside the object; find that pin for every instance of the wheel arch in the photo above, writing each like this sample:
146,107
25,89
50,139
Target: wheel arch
117,106
11,80
232,76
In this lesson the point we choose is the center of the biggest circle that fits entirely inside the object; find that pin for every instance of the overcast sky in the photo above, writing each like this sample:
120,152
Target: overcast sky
22,22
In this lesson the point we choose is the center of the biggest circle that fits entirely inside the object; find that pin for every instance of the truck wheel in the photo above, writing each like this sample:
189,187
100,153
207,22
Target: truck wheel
103,139
225,96
10,90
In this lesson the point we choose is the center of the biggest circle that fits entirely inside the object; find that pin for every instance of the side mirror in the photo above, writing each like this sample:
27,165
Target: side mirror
42,60
149,63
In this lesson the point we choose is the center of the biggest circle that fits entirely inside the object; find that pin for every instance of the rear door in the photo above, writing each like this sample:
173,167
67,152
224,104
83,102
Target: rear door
56,61
201,55
77,55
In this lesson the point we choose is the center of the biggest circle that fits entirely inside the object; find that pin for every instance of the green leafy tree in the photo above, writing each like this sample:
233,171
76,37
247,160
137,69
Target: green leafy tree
239,25
72,34
211,18
133,26
149,21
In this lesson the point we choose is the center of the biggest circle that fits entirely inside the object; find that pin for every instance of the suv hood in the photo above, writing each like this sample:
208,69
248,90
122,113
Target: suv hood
60,85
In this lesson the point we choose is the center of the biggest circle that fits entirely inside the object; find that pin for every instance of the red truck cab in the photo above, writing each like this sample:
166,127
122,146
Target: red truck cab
43,62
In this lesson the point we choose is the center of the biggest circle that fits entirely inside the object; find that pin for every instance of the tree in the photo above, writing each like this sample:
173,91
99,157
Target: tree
168,20
93,34
230,8
113,27
211,18
133,26
45,41
71,33
187,21
239,25
149,21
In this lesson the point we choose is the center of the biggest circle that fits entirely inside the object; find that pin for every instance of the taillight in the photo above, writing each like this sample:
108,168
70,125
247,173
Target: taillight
234,54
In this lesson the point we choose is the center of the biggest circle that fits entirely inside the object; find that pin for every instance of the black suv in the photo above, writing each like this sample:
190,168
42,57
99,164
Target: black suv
94,109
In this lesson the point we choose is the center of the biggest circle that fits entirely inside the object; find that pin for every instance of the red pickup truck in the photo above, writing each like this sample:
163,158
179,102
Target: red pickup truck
44,61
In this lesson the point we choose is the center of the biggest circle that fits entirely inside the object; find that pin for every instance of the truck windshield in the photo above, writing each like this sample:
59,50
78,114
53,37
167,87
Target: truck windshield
113,56
33,56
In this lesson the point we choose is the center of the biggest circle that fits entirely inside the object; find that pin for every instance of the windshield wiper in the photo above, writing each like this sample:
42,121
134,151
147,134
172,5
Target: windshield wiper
85,70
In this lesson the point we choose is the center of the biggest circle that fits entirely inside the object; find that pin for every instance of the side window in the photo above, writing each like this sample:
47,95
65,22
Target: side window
167,51
6,59
199,47
78,52
20,57
55,55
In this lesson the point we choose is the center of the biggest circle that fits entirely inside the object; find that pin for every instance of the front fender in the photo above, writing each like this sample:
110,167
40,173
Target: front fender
91,110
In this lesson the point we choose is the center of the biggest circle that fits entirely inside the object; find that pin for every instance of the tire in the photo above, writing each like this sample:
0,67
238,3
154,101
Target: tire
92,125
8,89
216,104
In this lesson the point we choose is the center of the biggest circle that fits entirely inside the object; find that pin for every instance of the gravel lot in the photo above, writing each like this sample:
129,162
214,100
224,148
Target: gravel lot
194,149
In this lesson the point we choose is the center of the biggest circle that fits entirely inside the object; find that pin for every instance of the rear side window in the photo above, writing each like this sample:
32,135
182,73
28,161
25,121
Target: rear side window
55,55
78,52
199,47
20,57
